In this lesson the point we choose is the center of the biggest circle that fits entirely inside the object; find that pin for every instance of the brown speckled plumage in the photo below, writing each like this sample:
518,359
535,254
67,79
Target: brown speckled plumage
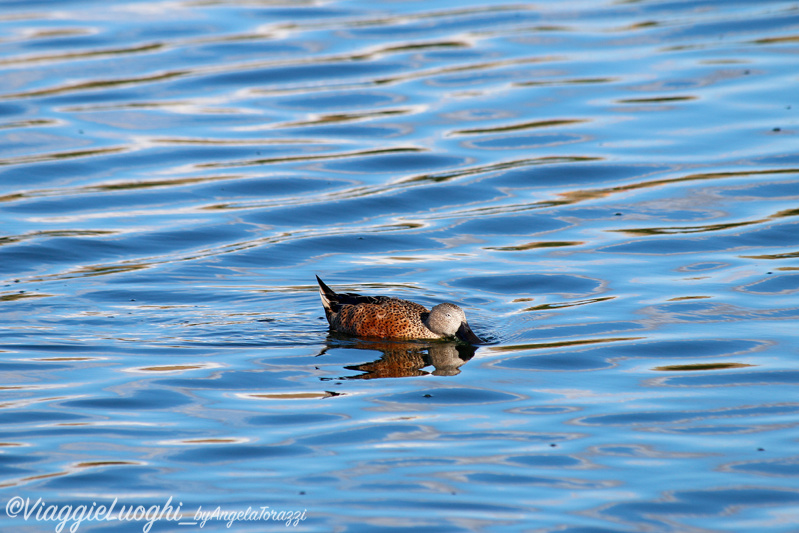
392,318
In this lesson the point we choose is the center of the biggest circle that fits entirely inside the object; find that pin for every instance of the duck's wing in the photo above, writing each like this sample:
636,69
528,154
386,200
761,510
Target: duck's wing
333,301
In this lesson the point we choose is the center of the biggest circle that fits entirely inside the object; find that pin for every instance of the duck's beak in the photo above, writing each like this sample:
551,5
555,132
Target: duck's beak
465,333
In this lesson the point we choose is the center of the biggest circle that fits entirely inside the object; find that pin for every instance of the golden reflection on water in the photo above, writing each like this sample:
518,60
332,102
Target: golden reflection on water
163,369
534,245
70,469
288,395
561,344
521,126
21,296
700,367
562,305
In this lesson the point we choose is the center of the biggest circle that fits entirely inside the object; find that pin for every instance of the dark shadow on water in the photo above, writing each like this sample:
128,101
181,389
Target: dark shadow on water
405,358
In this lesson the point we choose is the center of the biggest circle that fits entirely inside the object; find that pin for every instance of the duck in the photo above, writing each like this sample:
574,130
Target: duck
393,318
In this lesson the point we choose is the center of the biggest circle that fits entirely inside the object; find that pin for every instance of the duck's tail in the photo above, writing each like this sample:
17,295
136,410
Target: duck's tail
329,298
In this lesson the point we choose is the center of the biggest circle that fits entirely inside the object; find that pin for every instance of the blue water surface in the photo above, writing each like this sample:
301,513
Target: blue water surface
607,188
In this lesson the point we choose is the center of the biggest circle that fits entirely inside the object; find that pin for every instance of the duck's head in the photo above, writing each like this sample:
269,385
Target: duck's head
449,320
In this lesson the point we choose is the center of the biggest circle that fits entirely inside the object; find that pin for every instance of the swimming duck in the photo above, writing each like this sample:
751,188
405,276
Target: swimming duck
393,318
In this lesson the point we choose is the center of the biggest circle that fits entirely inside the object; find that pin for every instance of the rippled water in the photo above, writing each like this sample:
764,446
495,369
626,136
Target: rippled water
607,188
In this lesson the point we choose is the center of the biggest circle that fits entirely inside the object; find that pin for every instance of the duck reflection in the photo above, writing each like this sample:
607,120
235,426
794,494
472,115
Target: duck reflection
409,358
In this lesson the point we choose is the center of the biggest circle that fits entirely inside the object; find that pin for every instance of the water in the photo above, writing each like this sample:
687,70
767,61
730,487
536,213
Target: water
607,188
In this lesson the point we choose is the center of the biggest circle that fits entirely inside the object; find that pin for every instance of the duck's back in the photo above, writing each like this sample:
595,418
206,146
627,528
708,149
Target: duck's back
383,317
